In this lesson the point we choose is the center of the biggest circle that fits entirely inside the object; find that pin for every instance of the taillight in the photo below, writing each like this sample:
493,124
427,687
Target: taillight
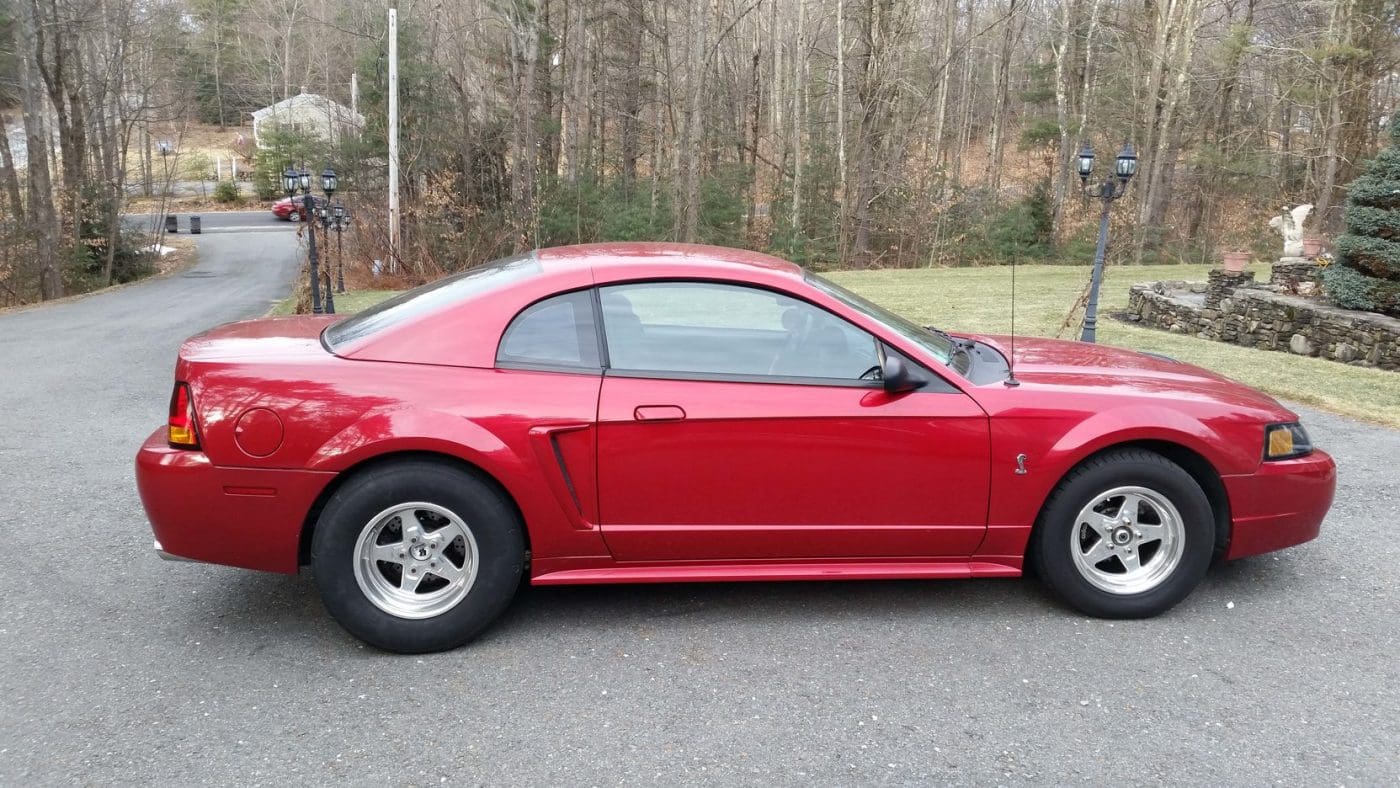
182,429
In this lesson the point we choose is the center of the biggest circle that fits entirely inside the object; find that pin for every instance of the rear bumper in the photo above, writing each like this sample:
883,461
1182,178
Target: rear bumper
164,556
245,517
1280,505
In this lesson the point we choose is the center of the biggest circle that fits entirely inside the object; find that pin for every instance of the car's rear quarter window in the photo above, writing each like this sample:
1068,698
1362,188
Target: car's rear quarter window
557,332
431,298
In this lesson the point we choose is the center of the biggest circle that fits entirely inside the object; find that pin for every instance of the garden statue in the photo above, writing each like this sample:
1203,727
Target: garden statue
1289,223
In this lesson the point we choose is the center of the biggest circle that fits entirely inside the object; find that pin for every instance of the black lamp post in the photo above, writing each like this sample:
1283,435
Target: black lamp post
338,218
164,147
1111,189
292,181
171,224
328,185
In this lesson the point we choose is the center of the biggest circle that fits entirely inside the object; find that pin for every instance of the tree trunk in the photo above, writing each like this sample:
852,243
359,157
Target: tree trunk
799,120
1002,79
38,148
844,196
876,100
524,41
1072,100
630,122
7,172
689,216
1156,186
575,55
754,119
1355,70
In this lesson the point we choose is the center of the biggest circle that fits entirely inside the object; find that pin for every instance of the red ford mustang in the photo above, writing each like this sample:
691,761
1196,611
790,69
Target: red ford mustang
632,413
293,209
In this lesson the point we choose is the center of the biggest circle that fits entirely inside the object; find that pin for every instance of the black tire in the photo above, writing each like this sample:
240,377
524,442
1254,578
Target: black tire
1051,554
493,524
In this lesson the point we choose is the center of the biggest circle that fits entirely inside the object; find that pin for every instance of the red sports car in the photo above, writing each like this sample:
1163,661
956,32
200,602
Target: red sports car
636,413
293,209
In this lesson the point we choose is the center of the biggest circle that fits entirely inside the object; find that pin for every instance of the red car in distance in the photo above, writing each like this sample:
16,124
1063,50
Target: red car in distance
636,413
293,209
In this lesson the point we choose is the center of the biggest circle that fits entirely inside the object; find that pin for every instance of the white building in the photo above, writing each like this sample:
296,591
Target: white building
307,114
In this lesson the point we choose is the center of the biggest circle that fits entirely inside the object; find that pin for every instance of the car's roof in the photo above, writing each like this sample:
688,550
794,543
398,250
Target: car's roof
433,336
625,259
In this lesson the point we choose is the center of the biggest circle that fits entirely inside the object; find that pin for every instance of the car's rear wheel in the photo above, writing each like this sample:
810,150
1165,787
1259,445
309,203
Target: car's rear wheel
417,556
1127,534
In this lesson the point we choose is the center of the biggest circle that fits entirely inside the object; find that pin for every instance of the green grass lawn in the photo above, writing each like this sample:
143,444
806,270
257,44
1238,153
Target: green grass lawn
977,299
345,303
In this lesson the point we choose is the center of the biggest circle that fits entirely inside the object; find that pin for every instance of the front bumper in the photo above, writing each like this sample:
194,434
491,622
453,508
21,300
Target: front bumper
1280,505
245,517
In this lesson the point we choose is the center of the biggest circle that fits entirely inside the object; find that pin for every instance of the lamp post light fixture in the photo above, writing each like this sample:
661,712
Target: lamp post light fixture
1112,188
294,180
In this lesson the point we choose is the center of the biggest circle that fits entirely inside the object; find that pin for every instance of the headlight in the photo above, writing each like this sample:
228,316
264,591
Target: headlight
1282,441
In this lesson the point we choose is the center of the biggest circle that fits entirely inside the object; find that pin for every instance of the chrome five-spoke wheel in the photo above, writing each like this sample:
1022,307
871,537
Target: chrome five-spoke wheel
417,554
415,560
1127,540
1125,534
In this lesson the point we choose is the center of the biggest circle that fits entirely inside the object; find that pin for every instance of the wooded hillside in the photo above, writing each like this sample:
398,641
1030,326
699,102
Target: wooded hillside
837,132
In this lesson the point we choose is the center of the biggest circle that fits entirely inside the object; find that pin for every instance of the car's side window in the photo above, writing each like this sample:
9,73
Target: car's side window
556,333
715,329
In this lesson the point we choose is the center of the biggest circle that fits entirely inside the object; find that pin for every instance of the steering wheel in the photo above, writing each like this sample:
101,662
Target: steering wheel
874,373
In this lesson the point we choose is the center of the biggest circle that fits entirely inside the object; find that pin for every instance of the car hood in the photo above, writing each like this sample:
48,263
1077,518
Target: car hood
1063,364
271,339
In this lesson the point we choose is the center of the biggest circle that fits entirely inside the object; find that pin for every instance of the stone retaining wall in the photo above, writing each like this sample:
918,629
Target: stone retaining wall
1219,285
1297,275
1241,312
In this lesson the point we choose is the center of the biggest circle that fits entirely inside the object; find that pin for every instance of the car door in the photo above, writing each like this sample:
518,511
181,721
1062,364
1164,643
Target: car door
734,423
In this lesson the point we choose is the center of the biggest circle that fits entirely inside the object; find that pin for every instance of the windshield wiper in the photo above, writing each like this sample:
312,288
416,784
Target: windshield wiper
955,345
940,332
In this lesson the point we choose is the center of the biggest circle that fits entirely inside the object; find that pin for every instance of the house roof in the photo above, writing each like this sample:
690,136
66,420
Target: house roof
313,101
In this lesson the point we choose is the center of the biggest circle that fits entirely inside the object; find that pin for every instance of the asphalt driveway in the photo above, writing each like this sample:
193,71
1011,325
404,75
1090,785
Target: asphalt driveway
117,667
211,221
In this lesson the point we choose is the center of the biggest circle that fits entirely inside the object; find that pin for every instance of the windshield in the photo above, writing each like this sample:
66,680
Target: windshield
938,345
432,297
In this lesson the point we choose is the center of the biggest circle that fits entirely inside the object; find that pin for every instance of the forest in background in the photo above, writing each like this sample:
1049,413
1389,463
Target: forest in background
837,133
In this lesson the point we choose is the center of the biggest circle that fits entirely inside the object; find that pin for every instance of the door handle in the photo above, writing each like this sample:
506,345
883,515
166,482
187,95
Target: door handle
658,413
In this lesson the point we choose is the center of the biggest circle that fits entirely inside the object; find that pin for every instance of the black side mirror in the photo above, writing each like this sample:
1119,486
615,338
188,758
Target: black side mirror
895,375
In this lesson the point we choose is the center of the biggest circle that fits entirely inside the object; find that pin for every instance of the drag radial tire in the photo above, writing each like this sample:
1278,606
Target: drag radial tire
417,556
1127,534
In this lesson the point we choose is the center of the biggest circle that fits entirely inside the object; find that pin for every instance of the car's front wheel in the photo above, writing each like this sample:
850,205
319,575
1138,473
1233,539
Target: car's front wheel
1127,534
417,556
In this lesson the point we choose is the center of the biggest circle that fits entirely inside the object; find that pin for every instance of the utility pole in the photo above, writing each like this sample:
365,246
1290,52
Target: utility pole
393,136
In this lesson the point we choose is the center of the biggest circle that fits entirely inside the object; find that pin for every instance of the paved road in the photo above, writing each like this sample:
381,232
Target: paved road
120,668
214,221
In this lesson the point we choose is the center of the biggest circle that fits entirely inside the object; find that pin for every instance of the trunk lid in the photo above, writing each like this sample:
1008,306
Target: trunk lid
265,339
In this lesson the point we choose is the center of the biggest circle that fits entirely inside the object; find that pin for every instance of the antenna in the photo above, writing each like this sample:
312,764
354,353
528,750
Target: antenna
1011,380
